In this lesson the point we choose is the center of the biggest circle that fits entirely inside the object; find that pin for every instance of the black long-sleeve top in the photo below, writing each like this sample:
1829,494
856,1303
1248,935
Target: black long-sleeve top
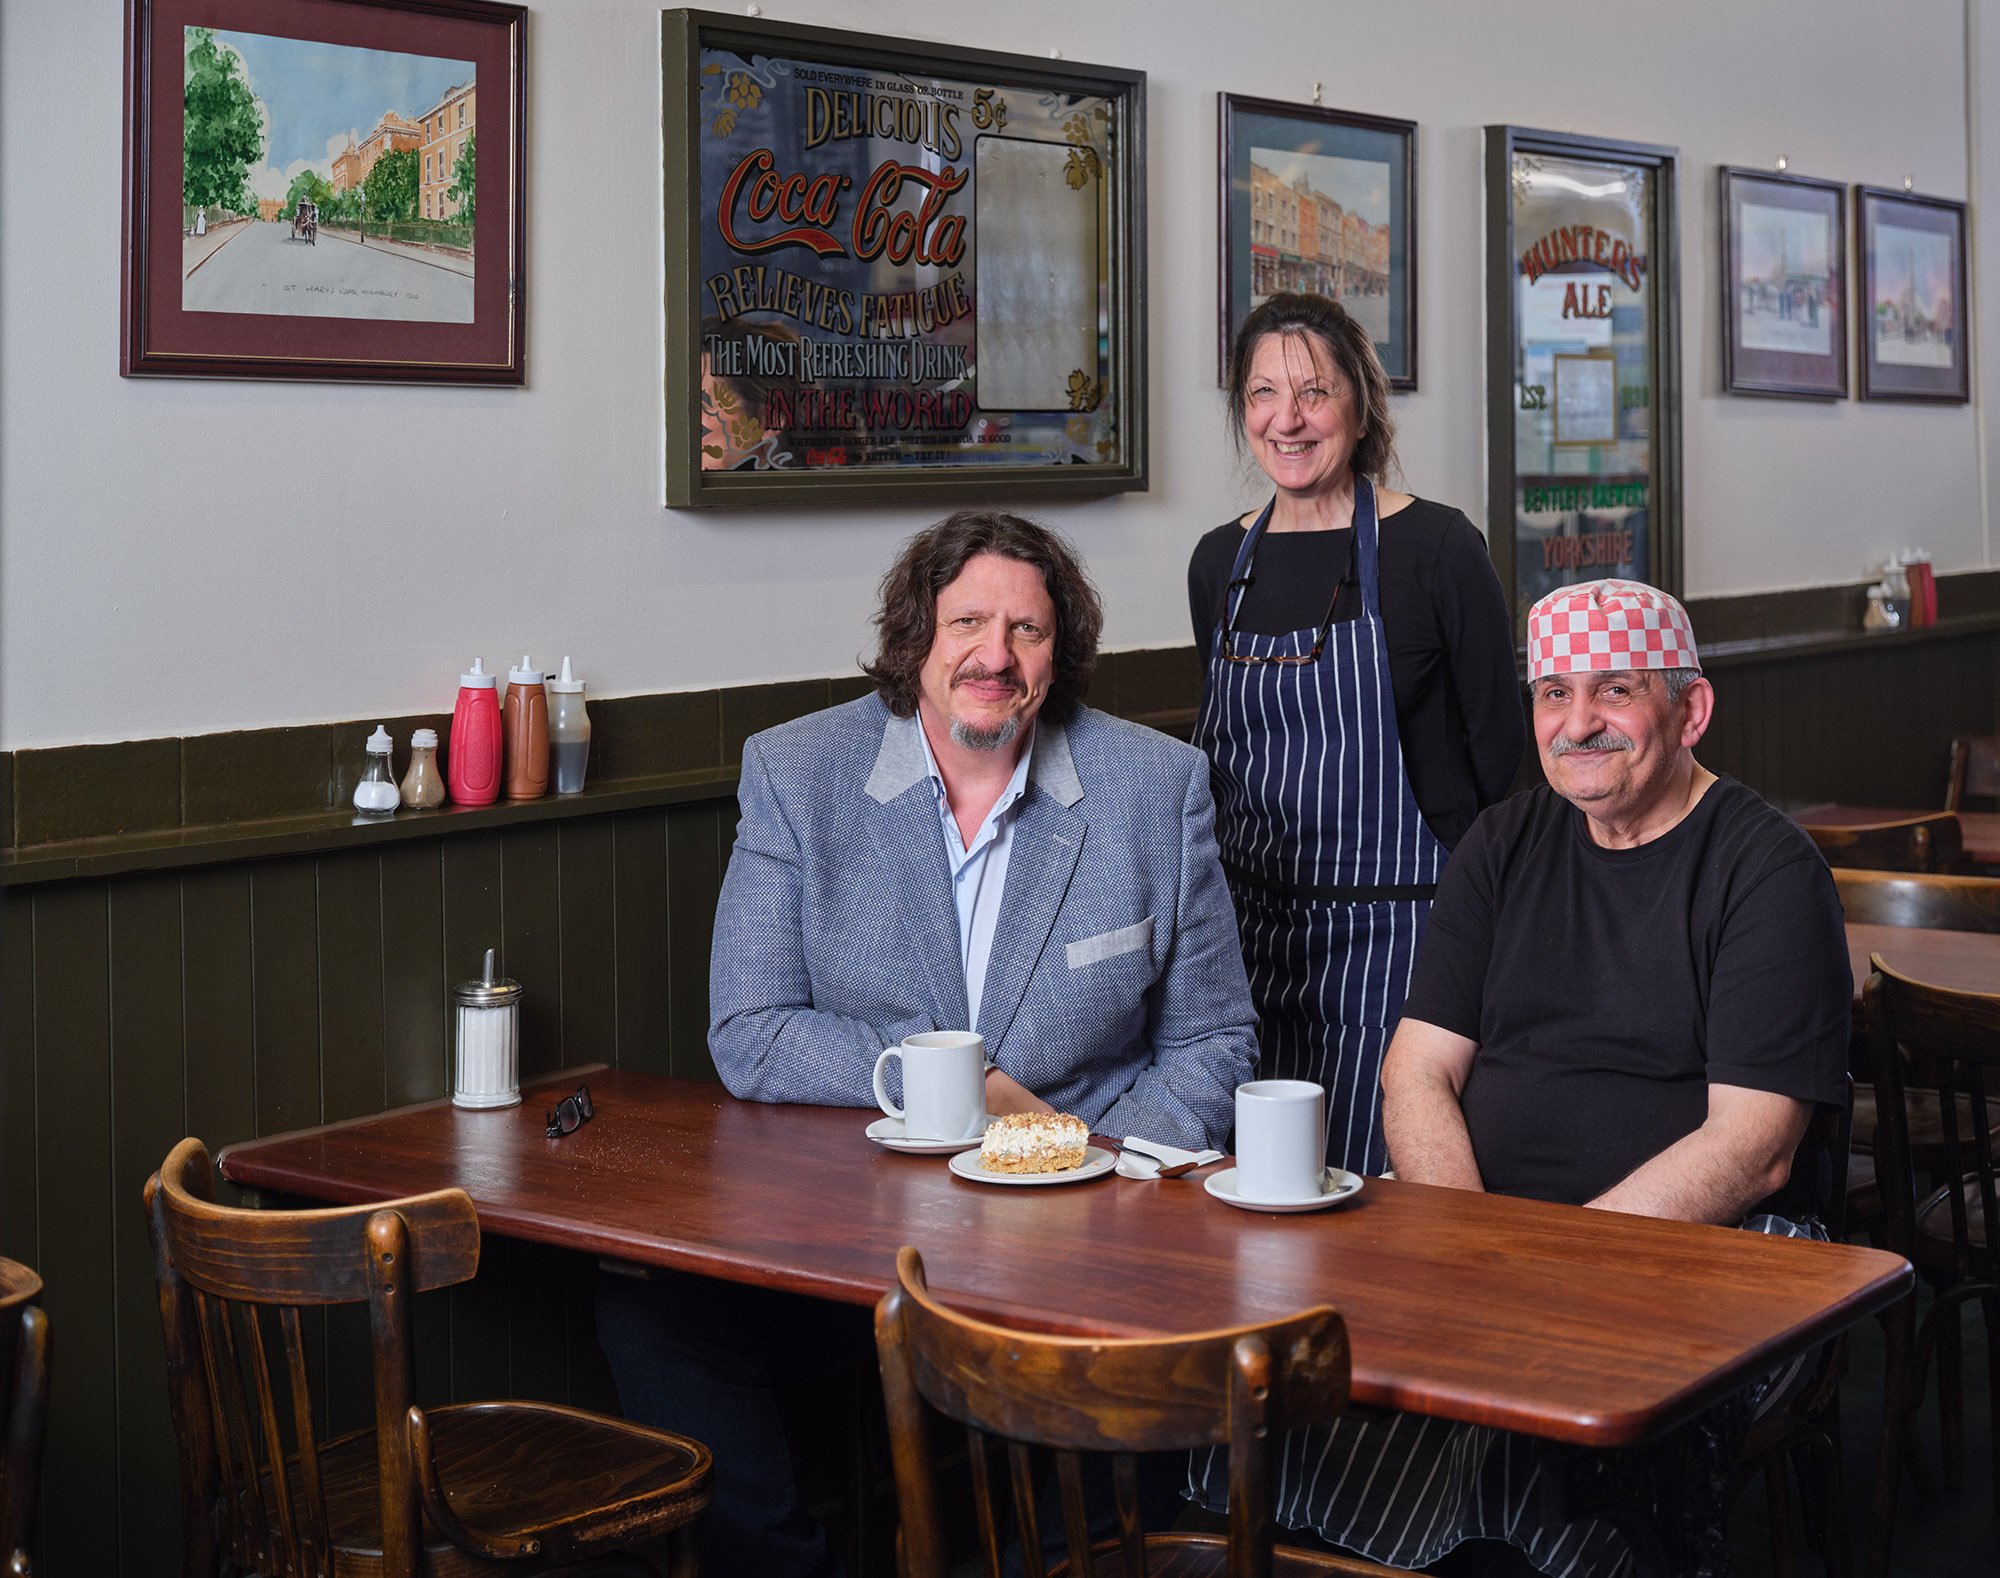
1450,639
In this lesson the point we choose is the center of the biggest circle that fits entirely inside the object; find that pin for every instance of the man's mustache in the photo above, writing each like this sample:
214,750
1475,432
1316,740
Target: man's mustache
976,673
1602,740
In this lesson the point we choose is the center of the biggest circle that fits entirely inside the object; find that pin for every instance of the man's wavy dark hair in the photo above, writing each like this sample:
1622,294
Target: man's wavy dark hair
935,557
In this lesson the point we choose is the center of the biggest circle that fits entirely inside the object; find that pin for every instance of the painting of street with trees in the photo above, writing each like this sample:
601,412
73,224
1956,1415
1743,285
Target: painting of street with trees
323,180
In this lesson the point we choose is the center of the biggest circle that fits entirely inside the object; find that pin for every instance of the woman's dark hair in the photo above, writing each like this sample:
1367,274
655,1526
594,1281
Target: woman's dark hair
935,557
1353,354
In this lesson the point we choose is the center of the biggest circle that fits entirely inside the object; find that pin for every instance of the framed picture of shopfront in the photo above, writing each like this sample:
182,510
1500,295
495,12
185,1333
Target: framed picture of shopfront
897,271
1914,297
1323,201
1784,285
1582,363
324,189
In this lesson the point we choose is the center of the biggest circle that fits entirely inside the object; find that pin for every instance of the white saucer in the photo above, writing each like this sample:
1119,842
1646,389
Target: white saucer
1096,1163
1339,1185
889,1132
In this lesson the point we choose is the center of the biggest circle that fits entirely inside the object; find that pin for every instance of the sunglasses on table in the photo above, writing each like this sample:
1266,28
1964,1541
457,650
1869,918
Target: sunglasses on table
571,1113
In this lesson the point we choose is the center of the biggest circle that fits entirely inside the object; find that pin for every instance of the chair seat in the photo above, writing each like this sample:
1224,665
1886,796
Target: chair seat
1207,1556
580,1482
1926,1124
1934,1239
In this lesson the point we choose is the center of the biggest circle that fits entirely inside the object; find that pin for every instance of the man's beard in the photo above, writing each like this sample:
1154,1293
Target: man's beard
974,738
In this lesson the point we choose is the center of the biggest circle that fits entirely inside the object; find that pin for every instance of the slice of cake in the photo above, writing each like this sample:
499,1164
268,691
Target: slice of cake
1034,1142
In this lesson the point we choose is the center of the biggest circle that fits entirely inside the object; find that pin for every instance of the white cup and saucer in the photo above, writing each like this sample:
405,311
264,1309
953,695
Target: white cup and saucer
1281,1151
944,1093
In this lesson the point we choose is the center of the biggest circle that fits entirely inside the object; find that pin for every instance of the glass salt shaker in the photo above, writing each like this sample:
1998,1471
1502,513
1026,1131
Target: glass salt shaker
376,794
489,1040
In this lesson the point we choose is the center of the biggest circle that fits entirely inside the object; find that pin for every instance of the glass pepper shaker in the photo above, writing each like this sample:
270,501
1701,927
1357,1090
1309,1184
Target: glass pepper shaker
423,784
489,1040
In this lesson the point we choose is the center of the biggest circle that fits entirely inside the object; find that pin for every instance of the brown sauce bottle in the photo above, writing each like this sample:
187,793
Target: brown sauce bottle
524,724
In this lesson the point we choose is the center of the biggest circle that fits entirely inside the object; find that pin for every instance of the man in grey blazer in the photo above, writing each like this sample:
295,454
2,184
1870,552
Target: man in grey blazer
971,848
968,848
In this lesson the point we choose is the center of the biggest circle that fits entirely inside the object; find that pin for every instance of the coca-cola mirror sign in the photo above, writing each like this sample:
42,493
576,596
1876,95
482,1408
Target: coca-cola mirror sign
897,272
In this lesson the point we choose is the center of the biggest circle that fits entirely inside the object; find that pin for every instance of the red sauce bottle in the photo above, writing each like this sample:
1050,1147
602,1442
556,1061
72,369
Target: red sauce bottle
472,753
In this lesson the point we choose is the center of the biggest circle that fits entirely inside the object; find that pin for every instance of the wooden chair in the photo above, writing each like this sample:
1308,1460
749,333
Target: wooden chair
514,1487
1951,1044
1238,1388
24,1363
1917,843
1939,903
1975,770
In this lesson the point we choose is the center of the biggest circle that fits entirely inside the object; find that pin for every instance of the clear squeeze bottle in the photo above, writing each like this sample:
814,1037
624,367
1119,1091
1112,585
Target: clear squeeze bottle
376,794
472,759
526,726
569,731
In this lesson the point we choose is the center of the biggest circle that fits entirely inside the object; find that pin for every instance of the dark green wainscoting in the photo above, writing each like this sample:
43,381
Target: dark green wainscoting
232,970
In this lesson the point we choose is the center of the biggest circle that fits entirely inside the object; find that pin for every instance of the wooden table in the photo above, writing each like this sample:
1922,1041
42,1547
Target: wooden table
1580,1326
1966,961
1981,828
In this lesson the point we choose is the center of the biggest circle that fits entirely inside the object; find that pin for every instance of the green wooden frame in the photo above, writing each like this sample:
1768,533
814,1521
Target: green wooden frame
1503,331
683,36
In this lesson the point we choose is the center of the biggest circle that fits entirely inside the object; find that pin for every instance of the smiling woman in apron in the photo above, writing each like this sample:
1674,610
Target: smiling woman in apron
1360,705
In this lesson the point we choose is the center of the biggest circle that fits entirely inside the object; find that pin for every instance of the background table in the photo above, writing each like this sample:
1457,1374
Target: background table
1582,1326
1965,961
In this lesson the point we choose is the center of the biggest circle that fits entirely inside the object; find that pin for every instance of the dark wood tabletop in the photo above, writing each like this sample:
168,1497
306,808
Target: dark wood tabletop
1965,961
1981,828
1575,1325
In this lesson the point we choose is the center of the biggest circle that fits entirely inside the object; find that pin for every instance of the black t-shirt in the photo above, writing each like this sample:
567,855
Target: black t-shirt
1608,988
1444,618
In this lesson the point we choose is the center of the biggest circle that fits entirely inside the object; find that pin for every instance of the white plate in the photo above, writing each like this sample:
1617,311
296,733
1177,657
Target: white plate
889,1132
1339,1185
1096,1163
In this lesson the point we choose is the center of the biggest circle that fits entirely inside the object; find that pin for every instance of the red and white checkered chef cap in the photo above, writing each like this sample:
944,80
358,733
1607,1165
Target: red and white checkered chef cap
1608,625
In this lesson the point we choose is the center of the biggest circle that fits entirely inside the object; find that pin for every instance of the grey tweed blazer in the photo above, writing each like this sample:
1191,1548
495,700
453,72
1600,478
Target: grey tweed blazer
1115,989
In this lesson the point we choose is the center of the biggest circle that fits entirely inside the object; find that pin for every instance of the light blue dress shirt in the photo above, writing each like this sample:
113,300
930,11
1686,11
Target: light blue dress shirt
978,874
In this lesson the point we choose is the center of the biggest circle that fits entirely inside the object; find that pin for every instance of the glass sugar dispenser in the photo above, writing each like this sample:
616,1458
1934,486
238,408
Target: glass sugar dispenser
489,1040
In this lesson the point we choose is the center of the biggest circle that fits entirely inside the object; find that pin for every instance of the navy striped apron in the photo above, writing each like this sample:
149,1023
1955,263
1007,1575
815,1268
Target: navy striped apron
1330,862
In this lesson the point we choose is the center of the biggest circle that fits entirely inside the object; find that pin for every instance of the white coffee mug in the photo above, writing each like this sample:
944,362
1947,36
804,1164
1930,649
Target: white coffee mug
944,1084
1280,1140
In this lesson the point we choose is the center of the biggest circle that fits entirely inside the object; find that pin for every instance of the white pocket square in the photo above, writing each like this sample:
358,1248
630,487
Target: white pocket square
1110,944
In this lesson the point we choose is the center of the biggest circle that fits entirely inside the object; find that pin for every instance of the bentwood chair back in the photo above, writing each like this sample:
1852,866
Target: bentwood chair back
1949,1043
24,1407
1917,843
472,1488
1023,1397
1975,771
1936,903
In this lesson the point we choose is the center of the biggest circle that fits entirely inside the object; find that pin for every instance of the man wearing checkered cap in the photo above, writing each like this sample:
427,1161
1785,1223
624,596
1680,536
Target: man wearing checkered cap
1632,995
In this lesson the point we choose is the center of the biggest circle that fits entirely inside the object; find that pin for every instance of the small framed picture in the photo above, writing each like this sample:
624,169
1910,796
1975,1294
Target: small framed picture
1914,296
323,189
1784,285
1321,201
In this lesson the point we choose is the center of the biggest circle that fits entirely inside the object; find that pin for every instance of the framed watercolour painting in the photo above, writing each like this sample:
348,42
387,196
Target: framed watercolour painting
1784,285
897,271
1913,296
1323,201
324,189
